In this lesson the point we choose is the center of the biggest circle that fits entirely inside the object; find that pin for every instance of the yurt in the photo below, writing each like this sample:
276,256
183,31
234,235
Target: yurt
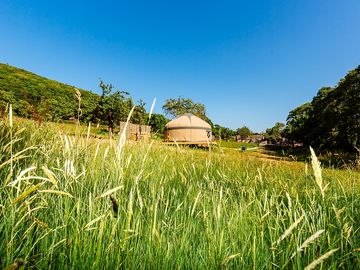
188,129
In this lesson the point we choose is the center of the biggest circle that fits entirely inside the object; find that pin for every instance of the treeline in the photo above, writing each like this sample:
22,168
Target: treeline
331,120
226,133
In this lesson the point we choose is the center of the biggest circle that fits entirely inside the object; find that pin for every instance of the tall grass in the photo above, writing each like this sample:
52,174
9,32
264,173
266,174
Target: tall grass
75,202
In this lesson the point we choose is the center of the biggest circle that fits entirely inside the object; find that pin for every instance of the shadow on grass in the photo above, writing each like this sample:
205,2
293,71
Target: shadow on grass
329,159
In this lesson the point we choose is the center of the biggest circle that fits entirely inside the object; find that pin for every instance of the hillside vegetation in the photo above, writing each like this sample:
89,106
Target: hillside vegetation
36,96
72,202
42,99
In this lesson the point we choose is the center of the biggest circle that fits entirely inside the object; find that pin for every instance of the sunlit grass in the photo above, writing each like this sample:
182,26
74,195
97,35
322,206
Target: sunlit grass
73,202
235,144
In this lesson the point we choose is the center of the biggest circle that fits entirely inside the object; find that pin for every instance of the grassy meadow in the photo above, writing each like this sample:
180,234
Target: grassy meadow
78,202
234,144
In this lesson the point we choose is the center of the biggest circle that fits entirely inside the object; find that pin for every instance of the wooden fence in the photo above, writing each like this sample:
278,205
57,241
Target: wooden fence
136,132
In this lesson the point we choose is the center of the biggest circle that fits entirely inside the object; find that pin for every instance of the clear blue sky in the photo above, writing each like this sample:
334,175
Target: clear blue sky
249,62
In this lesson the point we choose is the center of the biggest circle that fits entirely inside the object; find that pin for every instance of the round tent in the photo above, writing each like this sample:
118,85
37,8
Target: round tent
189,129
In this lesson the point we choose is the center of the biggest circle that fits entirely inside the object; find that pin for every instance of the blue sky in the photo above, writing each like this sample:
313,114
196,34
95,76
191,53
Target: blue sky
249,62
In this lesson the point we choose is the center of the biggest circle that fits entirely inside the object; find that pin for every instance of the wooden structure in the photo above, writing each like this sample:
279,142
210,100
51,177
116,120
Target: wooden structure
136,132
188,129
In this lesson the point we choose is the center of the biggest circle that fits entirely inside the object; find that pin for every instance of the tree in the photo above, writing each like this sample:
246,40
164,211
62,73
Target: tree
347,111
295,130
332,119
23,109
319,126
223,133
243,132
313,123
275,134
139,115
89,103
6,98
175,107
112,107
157,123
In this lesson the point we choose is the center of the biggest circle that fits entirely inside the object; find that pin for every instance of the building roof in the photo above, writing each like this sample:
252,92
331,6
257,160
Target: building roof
187,120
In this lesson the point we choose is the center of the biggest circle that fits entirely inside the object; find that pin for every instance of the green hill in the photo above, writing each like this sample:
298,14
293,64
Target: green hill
34,96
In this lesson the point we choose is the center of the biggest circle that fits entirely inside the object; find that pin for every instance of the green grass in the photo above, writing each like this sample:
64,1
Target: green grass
235,144
177,208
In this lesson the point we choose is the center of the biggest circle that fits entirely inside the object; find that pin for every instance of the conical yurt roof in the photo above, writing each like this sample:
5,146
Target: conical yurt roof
188,120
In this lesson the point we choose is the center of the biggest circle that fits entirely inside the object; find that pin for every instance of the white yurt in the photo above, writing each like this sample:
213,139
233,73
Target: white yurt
188,129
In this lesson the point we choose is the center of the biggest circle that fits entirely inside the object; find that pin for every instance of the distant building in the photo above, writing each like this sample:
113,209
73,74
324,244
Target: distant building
255,138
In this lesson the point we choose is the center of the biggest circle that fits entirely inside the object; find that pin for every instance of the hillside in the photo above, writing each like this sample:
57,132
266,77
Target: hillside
38,97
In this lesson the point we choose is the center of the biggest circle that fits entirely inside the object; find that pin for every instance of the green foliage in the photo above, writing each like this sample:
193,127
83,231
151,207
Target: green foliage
6,97
175,107
89,102
347,110
223,133
139,115
112,107
243,132
332,119
295,130
157,123
275,134
37,97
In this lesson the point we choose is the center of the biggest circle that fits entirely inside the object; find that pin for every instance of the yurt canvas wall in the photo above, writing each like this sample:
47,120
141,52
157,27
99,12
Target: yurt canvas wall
188,128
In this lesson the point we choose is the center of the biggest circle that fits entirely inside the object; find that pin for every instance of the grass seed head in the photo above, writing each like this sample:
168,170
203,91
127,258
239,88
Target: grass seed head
10,116
319,260
315,163
307,242
289,230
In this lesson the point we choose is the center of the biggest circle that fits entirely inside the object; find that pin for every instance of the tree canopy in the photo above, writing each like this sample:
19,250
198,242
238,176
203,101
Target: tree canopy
243,132
332,119
223,133
174,107
157,123
113,106
275,133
